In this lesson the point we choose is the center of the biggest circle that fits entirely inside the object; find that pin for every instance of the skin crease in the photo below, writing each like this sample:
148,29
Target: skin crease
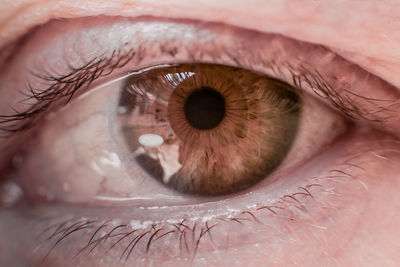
365,32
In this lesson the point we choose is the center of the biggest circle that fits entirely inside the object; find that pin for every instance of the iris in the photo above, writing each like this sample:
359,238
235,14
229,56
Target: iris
223,129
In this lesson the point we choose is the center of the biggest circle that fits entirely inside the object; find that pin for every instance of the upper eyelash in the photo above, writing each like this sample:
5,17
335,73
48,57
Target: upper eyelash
66,86
341,102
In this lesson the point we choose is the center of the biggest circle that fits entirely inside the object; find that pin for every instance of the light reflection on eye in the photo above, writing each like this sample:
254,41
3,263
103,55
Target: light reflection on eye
80,156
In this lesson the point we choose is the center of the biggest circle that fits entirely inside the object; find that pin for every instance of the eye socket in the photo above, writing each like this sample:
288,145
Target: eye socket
78,155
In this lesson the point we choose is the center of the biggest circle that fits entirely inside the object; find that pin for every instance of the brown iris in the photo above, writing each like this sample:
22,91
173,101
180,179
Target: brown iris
208,129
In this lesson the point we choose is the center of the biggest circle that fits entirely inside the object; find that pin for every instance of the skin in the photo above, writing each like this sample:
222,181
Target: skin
363,32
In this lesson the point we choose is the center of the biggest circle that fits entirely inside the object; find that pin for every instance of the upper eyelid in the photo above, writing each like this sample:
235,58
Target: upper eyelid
65,86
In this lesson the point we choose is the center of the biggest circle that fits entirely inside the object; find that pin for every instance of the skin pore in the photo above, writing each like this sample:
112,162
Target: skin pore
365,230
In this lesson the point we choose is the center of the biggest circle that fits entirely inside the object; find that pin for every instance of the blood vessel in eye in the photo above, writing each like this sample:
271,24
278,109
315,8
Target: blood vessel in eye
208,129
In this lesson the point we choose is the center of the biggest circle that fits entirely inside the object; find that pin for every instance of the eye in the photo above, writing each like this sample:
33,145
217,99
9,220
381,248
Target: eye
155,125
207,127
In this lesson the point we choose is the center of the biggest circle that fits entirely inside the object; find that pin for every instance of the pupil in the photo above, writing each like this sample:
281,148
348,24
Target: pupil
204,108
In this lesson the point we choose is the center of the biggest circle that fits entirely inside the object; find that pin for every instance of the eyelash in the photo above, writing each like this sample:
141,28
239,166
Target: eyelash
59,232
186,234
67,86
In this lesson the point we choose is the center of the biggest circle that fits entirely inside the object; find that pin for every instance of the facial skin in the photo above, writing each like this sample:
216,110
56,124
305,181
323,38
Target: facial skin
365,232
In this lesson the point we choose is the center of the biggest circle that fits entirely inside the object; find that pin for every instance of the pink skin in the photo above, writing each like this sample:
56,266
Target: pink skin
353,222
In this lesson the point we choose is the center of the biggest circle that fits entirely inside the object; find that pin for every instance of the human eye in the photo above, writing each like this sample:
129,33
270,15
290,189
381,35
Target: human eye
74,181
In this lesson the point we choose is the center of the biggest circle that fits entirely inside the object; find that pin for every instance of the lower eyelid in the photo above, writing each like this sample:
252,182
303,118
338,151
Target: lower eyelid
311,208
337,192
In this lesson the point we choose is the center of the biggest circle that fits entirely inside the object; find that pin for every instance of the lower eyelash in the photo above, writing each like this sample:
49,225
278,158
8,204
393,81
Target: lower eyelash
110,236
83,237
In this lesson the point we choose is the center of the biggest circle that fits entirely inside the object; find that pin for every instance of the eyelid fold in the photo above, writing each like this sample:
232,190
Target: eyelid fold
143,43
